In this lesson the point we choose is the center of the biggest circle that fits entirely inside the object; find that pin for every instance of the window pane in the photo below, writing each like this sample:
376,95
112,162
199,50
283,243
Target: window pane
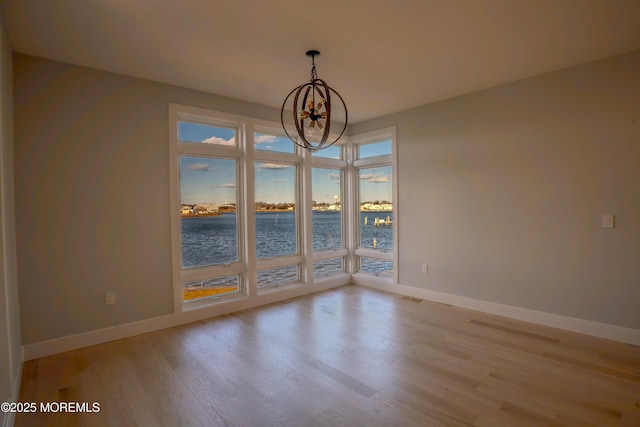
278,276
328,267
332,152
207,134
375,149
208,288
327,215
376,208
273,143
376,267
208,233
275,210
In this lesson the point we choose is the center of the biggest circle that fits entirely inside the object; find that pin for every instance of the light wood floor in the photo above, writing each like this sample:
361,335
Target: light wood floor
351,356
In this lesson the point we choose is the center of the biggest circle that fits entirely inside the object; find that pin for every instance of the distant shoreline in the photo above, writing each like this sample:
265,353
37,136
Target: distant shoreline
193,215
204,215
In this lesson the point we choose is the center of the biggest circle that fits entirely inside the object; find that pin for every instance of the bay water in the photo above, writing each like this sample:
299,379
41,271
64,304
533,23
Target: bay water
213,240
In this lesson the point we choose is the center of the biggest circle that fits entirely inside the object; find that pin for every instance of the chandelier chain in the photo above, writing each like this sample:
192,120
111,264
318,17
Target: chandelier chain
314,73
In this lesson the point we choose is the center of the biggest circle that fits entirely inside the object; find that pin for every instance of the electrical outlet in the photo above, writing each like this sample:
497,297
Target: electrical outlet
607,221
111,298
425,268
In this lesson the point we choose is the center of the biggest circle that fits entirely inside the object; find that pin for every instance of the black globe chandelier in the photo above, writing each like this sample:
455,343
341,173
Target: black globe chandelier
312,111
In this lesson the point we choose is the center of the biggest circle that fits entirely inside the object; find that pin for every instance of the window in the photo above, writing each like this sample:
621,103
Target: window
266,142
332,152
327,208
210,288
328,267
375,149
278,276
208,222
278,232
375,267
376,207
375,195
201,133
276,222
252,213
328,211
207,179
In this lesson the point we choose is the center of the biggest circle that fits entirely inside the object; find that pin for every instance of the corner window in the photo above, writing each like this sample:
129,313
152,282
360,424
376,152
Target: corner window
376,215
252,213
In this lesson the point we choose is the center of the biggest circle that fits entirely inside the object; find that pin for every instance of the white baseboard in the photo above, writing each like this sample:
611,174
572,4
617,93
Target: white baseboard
100,336
73,342
587,327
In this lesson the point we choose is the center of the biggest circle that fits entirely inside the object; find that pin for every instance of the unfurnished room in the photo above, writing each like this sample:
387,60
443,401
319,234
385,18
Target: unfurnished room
342,213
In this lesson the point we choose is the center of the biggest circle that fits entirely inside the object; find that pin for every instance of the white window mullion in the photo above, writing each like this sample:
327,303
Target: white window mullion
306,229
352,210
209,150
174,206
394,200
250,214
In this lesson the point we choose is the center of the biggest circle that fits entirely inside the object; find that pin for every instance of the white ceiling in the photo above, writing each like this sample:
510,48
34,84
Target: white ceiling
381,55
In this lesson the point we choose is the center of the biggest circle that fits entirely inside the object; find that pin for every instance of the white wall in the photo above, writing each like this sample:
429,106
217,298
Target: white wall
501,192
92,190
10,343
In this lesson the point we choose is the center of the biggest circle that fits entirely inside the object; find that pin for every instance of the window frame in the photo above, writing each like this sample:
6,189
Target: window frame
356,164
346,200
297,160
246,156
186,148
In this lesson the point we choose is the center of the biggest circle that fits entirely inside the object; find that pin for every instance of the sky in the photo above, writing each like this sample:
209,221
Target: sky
214,180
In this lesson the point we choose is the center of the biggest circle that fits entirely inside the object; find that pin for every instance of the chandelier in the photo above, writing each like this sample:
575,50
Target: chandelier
312,111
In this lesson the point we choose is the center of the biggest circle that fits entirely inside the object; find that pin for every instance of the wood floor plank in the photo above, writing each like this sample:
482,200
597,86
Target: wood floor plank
515,331
348,356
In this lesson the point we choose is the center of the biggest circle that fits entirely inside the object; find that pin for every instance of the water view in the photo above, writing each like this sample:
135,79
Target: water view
211,240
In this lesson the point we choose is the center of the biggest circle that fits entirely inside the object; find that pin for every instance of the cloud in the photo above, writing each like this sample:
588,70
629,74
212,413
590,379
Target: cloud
334,175
220,141
278,180
273,166
380,179
375,178
368,175
260,139
227,185
198,167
